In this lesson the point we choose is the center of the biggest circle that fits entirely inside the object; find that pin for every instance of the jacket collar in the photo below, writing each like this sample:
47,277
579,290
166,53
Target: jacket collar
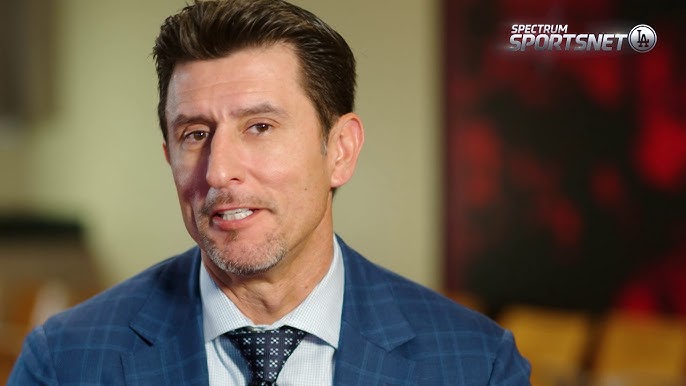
373,327
171,350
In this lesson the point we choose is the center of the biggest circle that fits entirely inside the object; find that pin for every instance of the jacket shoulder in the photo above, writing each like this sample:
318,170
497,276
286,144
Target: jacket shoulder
115,307
449,341
418,303
87,343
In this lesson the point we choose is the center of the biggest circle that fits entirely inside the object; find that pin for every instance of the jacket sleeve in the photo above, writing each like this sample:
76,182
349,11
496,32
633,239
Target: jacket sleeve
34,365
510,367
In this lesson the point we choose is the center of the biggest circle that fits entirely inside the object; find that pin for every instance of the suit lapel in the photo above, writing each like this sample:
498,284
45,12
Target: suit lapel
171,348
361,361
372,328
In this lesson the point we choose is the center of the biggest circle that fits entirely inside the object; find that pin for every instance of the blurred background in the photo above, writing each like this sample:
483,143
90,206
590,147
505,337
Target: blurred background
546,191
565,187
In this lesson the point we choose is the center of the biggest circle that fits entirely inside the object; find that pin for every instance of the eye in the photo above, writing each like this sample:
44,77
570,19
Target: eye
194,139
260,128
196,136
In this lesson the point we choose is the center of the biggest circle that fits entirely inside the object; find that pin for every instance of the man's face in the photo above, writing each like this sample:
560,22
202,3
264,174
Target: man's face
245,148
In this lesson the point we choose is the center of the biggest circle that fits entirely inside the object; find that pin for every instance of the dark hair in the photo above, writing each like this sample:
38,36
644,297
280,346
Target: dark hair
214,29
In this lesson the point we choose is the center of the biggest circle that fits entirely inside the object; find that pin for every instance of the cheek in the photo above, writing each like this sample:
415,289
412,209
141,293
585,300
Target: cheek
295,170
189,181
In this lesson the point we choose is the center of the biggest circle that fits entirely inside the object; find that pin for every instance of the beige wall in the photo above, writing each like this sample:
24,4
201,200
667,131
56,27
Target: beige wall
98,158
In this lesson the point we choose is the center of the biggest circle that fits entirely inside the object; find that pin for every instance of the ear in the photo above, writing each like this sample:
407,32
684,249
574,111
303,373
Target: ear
166,152
344,145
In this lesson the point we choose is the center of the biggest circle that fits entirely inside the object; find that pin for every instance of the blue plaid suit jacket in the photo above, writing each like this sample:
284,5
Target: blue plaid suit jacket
148,331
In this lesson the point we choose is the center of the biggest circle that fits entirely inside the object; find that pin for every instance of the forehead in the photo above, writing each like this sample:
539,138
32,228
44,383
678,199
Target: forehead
243,77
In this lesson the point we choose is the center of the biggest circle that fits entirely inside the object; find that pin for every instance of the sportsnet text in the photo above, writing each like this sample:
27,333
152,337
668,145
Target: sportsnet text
555,37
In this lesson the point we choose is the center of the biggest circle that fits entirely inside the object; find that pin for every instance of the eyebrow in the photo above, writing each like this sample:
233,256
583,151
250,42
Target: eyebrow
262,108
183,119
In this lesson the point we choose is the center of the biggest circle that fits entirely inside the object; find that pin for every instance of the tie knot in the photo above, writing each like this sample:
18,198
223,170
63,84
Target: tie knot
266,351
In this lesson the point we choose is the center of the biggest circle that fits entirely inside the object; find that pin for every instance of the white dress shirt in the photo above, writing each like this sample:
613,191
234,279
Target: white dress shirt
312,362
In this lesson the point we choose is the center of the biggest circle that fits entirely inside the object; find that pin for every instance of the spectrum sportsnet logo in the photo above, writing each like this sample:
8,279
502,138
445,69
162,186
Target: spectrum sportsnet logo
554,37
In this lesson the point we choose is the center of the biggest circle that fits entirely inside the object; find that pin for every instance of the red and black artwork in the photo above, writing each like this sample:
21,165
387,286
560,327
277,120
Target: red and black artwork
565,169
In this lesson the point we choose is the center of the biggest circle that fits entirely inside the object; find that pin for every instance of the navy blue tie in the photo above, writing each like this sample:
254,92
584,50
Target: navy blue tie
266,351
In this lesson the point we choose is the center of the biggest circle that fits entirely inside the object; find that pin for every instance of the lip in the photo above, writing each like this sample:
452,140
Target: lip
226,225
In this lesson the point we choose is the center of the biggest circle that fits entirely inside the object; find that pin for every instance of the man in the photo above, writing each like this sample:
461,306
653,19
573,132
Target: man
256,110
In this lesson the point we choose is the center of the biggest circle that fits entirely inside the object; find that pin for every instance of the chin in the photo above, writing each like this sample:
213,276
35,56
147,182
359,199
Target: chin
245,259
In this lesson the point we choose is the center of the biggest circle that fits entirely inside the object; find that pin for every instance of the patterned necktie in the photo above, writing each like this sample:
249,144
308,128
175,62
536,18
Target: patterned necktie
266,351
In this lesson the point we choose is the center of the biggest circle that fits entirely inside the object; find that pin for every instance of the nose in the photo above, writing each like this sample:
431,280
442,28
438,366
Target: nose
225,164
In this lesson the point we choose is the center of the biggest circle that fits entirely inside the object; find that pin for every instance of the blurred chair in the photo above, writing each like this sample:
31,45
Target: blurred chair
554,342
5,368
11,334
640,350
45,266
25,304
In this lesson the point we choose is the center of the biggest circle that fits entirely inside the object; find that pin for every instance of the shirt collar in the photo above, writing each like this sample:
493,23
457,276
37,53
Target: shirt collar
319,314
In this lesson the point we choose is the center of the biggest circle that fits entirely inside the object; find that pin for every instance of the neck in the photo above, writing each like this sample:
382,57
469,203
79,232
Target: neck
267,297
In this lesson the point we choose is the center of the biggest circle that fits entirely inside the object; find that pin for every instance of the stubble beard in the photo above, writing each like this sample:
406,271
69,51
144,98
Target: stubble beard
236,258
233,255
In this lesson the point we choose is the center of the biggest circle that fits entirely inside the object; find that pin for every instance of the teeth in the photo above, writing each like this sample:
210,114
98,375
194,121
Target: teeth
236,214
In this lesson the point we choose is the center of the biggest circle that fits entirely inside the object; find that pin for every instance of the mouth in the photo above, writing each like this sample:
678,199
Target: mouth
235,214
